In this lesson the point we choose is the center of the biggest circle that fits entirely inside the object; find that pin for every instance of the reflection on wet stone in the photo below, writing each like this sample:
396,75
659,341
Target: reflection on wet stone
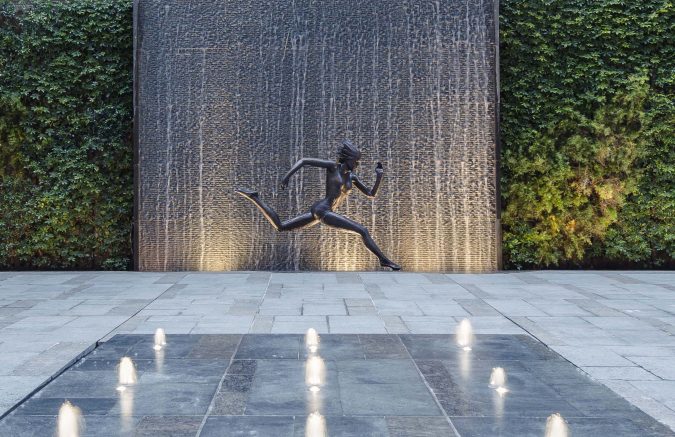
409,385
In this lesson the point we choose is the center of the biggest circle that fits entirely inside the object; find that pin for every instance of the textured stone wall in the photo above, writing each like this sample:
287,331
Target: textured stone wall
231,93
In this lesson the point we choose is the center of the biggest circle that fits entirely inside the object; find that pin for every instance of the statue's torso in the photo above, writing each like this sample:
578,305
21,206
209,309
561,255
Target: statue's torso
338,186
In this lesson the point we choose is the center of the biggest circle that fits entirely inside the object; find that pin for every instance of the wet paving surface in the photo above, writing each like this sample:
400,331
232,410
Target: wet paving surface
374,385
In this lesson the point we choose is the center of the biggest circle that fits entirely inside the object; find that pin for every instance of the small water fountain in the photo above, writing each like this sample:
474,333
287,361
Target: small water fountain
464,335
316,426
126,373
160,339
69,422
498,380
556,426
312,341
315,372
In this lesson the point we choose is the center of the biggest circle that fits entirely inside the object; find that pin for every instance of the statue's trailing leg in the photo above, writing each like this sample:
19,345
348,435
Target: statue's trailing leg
342,222
298,222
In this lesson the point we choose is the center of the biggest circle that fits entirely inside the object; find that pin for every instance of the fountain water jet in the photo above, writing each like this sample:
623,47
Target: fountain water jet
464,335
556,426
126,373
315,372
498,380
160,339
315,426
69,422
312,340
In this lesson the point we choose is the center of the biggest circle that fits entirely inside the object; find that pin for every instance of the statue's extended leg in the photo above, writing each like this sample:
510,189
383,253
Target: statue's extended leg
342,222
298,222
301,221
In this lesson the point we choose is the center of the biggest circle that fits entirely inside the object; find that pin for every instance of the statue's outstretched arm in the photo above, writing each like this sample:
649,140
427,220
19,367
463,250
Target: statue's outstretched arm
372,192
313,162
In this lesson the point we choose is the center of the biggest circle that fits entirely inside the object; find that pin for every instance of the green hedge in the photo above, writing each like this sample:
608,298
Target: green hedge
65,134
587,130
588,133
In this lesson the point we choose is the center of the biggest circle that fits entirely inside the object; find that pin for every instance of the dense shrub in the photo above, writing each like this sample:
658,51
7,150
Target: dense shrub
65,134
587,127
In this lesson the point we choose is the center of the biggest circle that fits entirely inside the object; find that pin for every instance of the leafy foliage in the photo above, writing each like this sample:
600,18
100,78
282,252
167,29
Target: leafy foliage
587,123
65,134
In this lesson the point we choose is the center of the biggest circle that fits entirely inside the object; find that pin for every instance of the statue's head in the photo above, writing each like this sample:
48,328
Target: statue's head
349,155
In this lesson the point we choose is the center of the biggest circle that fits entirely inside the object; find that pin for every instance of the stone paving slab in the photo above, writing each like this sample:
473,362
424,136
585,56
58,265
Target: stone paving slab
379,385
616,326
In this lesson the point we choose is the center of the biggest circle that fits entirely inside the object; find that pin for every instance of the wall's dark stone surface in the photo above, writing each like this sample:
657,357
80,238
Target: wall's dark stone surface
231,93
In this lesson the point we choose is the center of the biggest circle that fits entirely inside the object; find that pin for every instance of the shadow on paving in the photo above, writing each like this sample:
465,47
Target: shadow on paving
374,385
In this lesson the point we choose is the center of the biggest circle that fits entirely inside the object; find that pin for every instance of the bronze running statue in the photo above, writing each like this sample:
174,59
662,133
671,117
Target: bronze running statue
339,181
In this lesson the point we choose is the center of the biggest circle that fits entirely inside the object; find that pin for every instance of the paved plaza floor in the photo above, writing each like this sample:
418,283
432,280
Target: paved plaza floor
614,328
378,385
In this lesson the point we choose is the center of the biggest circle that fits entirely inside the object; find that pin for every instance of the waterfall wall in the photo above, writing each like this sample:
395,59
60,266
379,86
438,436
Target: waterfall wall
231,93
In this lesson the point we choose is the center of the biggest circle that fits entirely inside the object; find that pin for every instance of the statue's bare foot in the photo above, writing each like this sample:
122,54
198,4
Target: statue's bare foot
246,192
392,265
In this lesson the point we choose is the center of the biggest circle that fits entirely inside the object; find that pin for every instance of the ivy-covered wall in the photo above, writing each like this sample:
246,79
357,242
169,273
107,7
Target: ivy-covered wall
587,129
65,134
588,133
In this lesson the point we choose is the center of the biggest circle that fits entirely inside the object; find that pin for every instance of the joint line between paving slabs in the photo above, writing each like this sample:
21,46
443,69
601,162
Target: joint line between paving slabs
220,384
433,394
531,334
257,313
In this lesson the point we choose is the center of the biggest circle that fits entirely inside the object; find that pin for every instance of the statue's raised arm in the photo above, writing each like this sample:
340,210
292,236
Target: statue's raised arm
371,192
312,162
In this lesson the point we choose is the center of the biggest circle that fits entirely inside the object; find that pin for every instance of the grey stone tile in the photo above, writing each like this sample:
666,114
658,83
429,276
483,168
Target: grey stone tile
435,308
515,307
663,391
232,396
485,347
226,403
377,371
242,367
337,426
535,427
173,426
593,399
383,346
259,346
41,426
262,324
279,389
463,392
50,406
224,426
324,309
356,324
166,399
662,367
591,356
338,347
621,373
430,324
347,278
28,426
82,384
361,310
387,400
215,347
402,426
362,302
